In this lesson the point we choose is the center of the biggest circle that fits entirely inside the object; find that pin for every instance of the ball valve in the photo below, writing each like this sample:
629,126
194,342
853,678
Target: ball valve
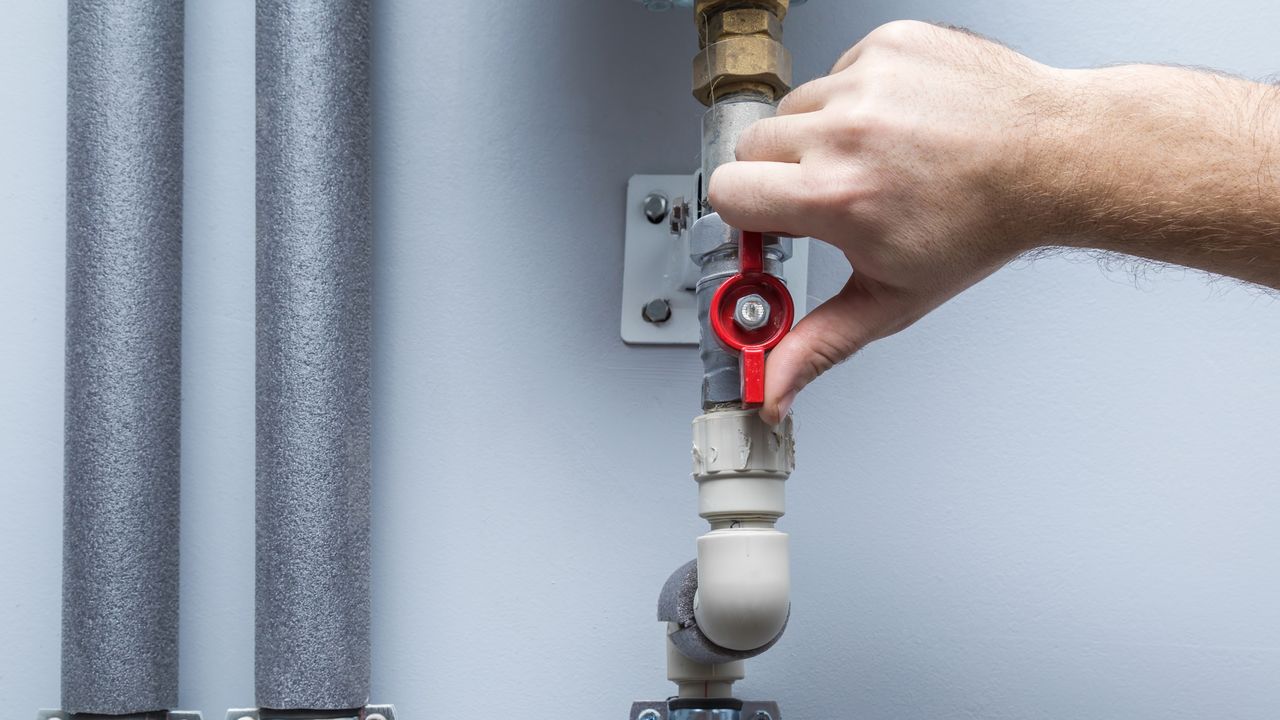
750,314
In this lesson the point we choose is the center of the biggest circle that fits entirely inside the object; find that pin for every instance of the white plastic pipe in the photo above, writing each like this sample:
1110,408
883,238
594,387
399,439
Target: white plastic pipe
698,680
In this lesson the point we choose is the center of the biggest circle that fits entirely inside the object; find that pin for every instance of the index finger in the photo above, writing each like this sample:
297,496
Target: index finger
762,197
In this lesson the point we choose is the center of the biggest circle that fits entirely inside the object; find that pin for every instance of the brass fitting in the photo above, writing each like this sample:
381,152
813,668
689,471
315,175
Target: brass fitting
742,50
702,8
744,21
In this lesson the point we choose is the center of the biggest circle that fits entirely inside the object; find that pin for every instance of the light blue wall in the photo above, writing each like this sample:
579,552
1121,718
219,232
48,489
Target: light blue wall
1055,497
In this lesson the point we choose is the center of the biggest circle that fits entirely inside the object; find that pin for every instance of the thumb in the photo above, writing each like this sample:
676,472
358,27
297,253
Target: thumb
861,312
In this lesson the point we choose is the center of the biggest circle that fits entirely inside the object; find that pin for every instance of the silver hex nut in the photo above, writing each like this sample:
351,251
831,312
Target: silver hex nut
751,312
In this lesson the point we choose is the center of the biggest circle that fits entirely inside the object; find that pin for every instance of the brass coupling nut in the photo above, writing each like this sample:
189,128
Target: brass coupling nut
742,50
742,63
703,9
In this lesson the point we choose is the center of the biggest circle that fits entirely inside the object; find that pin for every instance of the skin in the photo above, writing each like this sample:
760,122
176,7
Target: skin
932,157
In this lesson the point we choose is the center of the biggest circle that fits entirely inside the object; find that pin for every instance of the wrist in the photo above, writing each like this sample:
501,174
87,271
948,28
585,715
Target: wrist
1061,158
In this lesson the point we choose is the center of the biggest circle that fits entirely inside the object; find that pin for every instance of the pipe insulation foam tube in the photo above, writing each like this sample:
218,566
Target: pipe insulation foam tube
313,343
123,356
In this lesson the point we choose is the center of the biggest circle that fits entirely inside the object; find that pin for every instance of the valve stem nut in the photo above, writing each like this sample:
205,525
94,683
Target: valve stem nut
751,312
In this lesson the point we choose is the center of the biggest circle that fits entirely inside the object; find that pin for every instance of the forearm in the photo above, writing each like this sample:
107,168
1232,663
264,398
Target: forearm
1169,164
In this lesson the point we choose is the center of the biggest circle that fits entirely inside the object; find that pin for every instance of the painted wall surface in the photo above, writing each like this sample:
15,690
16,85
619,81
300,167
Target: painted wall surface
1056,497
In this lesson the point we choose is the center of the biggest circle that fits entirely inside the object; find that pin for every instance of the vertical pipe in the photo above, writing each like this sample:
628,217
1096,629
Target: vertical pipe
124,297
313,411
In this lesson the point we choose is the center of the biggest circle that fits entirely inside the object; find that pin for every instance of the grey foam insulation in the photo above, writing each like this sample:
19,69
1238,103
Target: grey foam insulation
123,346
676,605
314,246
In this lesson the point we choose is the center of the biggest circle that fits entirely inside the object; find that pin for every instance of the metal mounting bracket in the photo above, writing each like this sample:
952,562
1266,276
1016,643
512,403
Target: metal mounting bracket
368,712
751,710
54,714
656,264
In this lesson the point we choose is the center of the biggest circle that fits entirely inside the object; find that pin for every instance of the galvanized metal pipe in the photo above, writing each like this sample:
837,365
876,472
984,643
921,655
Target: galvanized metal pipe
123,354
313,411
723,123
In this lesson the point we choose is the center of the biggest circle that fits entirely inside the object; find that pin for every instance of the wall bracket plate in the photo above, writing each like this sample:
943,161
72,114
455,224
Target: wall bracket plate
368,712
656,264
751,710
52,714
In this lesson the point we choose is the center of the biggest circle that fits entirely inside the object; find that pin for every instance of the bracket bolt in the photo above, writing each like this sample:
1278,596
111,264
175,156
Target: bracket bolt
751,312
763,715
656,311
655,207
649,714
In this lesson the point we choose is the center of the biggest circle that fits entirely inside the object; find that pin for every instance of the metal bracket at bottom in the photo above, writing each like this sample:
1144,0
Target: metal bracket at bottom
368,712
751,710
53,714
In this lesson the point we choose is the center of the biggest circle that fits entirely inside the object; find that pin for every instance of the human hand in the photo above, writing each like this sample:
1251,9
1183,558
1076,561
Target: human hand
916,157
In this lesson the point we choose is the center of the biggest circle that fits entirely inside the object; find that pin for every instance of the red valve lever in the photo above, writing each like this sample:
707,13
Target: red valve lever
750,343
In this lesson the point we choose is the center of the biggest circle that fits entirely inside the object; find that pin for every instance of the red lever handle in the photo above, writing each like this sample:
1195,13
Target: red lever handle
751,342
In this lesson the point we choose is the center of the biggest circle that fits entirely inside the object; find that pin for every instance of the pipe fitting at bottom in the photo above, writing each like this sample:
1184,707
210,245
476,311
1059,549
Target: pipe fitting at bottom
700,680
733,601
741,465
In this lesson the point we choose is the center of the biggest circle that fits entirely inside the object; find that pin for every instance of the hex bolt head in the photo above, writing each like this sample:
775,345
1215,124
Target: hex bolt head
656,311
649,714
751,312
656,207
763,715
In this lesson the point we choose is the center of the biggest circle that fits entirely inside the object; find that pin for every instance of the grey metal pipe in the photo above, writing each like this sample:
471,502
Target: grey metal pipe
313,334
722,124
123,354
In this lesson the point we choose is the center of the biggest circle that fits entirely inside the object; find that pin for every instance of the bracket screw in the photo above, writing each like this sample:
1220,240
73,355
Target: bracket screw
656,207
763,715
751,313
656,311
649,714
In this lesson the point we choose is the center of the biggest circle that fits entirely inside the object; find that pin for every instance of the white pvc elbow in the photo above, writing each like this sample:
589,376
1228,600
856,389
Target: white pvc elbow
744,587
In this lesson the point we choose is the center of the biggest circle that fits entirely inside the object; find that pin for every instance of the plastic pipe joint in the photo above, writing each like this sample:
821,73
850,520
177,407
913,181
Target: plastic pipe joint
750,314
741,465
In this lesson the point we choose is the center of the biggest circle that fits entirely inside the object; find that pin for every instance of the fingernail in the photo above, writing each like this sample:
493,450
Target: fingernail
784,405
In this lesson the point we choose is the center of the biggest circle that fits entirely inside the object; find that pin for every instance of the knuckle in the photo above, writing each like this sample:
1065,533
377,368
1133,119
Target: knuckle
798,97
899,34
841,189
853,122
